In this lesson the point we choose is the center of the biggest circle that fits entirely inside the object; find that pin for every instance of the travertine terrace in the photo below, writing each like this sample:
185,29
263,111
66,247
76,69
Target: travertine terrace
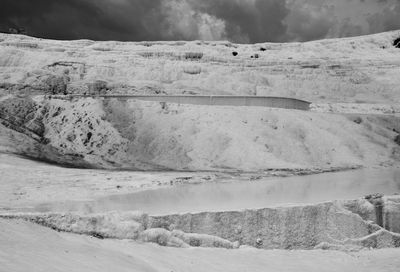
66,138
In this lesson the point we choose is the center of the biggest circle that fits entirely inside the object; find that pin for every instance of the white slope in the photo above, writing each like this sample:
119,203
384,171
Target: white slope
28,247
149,136
26,183
139,135
359,69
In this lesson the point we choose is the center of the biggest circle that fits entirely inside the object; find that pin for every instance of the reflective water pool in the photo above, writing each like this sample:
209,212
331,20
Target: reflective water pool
239,195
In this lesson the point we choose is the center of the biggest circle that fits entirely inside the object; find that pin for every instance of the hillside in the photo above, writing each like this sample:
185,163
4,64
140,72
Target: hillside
361,69
142,135
150,136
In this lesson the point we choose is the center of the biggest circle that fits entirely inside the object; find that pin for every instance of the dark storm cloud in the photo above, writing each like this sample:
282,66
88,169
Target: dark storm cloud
239,20
388,19
249,21
235,20
308,22
71,19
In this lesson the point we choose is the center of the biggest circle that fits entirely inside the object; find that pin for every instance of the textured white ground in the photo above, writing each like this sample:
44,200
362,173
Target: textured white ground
361,69
146,135
329,73
28,247
24,183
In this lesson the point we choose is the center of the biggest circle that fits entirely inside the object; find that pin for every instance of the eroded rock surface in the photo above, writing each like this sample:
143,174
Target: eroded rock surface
116,134
347,225
151,136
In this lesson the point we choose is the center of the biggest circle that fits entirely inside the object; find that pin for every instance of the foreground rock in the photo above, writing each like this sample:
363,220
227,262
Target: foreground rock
25,246
345,225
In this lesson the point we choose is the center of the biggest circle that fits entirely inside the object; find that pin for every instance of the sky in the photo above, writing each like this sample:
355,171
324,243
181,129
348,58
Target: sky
241,21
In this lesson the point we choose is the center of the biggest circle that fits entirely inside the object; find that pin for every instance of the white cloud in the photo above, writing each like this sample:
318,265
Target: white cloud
211,28
182,21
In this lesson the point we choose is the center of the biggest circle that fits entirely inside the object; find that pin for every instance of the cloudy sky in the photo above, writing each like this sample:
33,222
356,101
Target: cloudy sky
244,21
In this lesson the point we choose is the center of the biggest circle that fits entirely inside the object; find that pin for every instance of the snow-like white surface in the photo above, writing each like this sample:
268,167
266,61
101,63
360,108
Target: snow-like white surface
140,135
150,136
205,137
25,183
360,69
28,247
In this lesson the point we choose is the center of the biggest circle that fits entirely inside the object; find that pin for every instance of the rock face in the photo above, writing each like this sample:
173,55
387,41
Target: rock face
332,225
396,43
23,115
304,227
391,214
23,130
287,228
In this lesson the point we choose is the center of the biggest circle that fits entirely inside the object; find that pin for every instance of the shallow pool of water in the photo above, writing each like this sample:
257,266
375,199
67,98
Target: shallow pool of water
241,195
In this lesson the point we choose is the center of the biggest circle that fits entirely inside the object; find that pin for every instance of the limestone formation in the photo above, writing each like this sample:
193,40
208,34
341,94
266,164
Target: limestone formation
345,225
